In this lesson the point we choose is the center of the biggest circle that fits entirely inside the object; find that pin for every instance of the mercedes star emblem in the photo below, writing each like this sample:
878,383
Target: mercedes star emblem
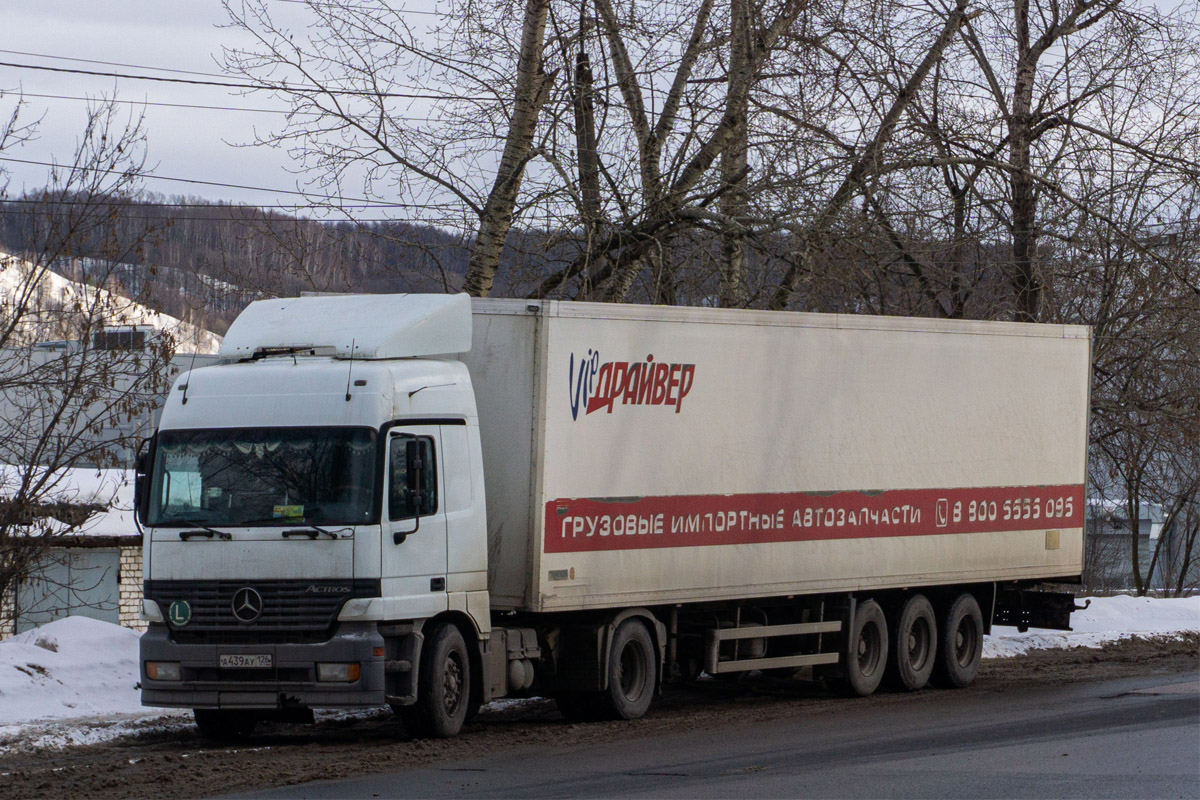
247,604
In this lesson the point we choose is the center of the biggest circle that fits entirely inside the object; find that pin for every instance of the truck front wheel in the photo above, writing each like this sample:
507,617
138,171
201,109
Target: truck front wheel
866,652
960,644
443,687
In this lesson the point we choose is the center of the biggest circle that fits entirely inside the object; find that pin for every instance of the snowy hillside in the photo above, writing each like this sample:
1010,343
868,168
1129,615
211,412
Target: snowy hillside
55,291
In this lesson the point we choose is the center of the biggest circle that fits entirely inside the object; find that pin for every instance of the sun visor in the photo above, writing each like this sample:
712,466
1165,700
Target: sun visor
373,325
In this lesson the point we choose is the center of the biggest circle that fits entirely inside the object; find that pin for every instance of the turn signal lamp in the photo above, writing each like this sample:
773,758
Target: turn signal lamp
163,671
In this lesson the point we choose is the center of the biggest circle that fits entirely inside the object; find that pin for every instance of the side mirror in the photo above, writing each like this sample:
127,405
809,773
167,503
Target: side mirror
415,471
414,475
141,480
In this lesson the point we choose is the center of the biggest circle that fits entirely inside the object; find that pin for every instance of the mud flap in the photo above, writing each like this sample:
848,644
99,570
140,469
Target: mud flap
1026,608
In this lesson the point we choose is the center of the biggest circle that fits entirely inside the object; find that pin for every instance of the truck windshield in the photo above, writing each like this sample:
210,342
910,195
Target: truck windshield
264,476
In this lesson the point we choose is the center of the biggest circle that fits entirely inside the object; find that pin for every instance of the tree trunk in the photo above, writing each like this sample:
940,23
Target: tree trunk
1025,281
1132,510
733,291
532,90
589,163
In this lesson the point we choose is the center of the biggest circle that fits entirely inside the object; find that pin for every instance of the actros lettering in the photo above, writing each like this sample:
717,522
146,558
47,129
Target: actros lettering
596,385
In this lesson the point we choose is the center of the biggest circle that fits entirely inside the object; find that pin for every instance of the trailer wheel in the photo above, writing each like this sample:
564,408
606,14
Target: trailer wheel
960,645
443,687
631,672
222,725
866,652
913,637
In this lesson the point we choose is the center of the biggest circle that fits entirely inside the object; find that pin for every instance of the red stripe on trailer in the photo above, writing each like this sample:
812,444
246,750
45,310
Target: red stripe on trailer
587,524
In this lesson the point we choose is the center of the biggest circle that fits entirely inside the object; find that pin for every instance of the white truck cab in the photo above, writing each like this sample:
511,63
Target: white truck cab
301,494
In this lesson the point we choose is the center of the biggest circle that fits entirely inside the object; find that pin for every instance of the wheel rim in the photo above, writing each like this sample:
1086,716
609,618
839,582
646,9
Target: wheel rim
920,643
452,684
964,642
633,672
868,650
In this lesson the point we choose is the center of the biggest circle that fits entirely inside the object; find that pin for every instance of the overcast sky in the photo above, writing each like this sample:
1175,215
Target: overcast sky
173,34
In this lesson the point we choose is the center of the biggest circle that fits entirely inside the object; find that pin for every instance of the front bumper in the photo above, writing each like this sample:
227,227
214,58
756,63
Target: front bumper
290,683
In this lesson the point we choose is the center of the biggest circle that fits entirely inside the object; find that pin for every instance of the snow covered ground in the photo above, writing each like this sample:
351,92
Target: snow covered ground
73,681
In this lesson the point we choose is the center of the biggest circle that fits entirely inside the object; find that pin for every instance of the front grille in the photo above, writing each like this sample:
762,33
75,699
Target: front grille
292,610
281,675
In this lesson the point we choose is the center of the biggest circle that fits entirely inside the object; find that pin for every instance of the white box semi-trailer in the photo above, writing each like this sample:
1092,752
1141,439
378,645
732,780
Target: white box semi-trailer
644,455
667,490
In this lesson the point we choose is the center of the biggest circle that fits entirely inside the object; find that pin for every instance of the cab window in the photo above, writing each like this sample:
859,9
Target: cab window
412,477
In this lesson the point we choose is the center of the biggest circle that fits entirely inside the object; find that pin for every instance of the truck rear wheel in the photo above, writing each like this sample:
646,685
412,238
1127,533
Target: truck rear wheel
866,651
631,671
221,725
960,643
913,637
443,687
632,677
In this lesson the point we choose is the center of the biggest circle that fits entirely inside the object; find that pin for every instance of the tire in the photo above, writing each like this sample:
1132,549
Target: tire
221,725
443,687
632,679
866,652
960,643
632,672
913,637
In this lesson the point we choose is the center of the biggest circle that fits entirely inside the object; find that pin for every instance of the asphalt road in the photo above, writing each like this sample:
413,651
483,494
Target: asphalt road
1134,737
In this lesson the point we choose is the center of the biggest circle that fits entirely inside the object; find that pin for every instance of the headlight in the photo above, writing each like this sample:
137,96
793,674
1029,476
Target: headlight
163,671
151,612
338,673
356,608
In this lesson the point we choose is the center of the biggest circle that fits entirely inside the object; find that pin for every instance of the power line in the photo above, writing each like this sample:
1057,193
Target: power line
381,6
232,85
425,223
184,180
133,66
111,63
205,107
135,203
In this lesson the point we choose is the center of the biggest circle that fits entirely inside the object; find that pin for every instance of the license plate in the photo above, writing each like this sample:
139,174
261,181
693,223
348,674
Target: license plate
238,661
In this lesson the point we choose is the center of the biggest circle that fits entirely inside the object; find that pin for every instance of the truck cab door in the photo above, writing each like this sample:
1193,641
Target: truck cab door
414,521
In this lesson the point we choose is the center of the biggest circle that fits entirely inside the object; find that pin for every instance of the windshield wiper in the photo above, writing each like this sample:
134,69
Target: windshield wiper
205,532
311,531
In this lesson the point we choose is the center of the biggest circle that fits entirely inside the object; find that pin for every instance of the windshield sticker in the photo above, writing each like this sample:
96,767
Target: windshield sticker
289,512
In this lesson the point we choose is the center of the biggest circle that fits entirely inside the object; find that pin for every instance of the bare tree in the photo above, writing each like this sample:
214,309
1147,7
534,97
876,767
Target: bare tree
68,386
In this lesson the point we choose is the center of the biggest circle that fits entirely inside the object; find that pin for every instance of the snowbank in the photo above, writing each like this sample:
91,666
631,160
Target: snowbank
73,667
73,681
